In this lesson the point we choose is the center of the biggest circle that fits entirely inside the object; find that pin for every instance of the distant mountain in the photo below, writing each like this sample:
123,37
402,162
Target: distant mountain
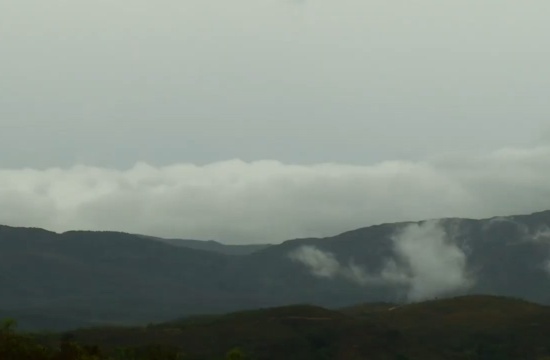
83,277
215,246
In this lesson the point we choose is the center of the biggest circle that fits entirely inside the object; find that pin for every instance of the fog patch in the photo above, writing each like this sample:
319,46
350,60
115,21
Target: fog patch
319,263
431,263
426,264
542,234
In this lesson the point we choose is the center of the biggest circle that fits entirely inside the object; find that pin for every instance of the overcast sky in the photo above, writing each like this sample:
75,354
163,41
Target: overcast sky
195,84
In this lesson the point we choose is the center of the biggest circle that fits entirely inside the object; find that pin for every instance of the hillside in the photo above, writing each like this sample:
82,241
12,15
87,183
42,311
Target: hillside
83,278
470,327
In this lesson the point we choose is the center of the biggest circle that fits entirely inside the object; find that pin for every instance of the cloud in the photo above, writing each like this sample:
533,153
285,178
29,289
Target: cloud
539,233
534,233
269,201
320,263
542,234
324,264
426,263
429,261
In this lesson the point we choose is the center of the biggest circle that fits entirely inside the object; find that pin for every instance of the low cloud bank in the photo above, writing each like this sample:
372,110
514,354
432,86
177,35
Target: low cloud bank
426,263
269,201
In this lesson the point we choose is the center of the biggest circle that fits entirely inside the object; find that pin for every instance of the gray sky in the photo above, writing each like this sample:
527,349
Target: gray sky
108,84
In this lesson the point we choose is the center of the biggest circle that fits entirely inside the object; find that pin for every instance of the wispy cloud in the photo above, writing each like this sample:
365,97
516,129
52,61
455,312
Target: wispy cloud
320,263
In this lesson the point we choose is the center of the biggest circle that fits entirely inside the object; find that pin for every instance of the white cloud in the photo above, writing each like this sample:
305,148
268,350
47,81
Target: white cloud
320,263
324,264
425,262
432,264
269,201
542,234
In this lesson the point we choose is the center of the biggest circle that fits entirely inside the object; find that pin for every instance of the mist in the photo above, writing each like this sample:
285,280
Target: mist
428,261
425,264
320,263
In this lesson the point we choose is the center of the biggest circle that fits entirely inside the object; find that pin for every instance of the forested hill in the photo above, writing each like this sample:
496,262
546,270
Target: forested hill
469,328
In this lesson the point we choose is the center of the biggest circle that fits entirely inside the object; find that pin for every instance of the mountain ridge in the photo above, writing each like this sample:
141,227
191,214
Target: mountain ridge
115,277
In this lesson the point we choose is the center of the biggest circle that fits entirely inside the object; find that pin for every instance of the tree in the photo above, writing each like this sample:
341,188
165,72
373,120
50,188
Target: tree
8,326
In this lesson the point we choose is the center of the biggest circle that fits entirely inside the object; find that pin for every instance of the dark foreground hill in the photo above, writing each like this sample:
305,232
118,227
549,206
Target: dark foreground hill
63,281
471,327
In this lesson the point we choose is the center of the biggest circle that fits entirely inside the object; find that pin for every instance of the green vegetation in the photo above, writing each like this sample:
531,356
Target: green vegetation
473,328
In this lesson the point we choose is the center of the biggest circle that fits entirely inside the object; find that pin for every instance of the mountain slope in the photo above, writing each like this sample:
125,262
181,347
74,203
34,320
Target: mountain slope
108,277
215,246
